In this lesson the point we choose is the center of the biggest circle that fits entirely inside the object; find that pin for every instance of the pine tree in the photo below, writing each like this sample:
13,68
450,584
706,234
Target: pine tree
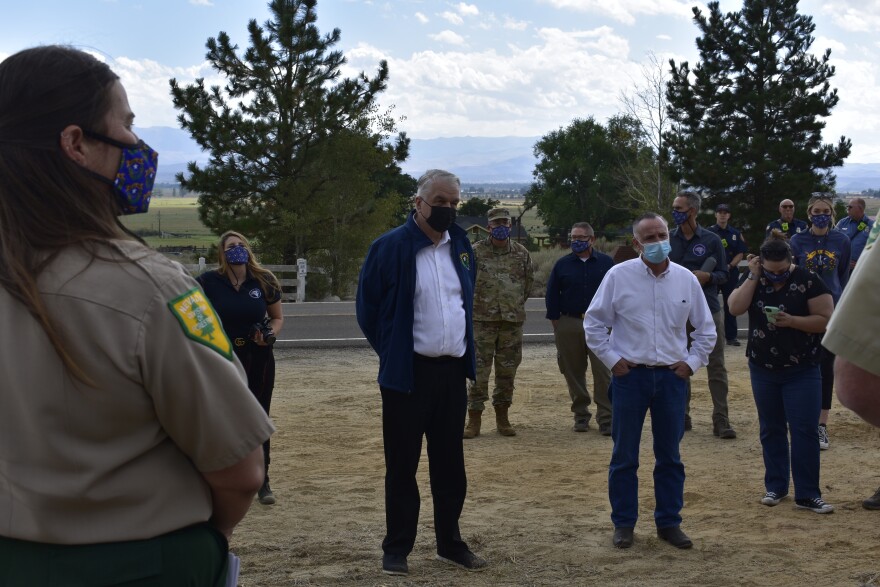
275,131
748,119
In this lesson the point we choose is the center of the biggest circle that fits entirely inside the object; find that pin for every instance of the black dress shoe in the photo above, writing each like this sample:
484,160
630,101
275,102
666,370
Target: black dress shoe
394,564
623,537
674,536
464,560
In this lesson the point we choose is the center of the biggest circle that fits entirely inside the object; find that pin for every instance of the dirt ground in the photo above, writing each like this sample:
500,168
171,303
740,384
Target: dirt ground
537,505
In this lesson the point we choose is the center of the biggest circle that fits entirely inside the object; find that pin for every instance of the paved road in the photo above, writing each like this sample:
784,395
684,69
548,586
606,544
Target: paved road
333,324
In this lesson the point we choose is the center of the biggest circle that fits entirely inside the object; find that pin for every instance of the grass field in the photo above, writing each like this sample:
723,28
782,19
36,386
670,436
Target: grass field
173,216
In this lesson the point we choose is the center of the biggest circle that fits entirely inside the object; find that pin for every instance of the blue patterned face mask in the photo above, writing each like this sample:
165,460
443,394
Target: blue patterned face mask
237,255
776,277
821,220
134,179
579,246
500,233
679,217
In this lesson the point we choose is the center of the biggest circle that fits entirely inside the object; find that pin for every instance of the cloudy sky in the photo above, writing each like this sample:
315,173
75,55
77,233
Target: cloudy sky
478,68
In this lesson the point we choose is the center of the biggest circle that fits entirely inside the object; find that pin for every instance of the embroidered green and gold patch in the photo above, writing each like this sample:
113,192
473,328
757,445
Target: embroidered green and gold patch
200,322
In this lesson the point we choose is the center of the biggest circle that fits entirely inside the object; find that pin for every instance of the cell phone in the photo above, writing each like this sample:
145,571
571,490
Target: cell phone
770,312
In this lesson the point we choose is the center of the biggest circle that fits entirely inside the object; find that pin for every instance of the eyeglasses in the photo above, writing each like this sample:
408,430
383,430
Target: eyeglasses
580,238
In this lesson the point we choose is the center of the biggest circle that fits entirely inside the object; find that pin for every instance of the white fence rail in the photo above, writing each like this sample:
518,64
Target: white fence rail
291,277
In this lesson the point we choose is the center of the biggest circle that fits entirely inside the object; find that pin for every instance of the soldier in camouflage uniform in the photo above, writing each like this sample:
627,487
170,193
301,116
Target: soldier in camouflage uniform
504,278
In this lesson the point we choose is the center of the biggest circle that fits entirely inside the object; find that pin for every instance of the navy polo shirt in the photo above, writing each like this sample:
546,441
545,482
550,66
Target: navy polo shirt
692,254
573,282
731,239
789,228
238,310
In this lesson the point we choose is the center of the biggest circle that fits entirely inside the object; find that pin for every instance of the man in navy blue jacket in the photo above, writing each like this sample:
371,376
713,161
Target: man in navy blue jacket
415,306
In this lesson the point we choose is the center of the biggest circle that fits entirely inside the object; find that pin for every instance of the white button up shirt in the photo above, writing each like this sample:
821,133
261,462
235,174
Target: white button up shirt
439,321
648,315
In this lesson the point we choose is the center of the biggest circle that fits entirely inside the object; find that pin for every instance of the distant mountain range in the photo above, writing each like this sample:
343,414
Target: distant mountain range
473,159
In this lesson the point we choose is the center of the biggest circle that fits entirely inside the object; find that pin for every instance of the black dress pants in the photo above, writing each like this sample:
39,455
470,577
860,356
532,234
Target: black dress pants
435,409
259,365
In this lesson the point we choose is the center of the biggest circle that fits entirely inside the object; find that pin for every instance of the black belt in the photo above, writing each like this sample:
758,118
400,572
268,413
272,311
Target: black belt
654,366
440,359
581,316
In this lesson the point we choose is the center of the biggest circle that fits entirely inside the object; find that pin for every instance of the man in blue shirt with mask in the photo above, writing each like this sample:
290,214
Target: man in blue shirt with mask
701,251
856,225
734,248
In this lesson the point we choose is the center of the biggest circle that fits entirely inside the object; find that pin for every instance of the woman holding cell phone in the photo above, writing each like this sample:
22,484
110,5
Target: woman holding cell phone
789,307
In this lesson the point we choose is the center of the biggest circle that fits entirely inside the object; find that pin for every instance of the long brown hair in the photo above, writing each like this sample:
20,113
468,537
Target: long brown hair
47,202
266,278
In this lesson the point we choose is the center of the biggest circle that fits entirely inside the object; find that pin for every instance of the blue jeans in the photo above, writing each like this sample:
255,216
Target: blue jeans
788,401
632,396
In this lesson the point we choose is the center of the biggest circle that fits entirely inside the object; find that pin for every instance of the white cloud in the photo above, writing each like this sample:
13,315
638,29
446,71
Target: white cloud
146,83
452,17
515,25
467,9
625,11
822,43
854,15
201,2
449,37
422,18
524,90
663,38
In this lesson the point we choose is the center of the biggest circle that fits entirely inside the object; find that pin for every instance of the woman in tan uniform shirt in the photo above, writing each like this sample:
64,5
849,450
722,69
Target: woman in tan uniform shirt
130,446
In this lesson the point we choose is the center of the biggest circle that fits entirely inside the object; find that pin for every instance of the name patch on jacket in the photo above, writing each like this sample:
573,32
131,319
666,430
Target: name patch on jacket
200,322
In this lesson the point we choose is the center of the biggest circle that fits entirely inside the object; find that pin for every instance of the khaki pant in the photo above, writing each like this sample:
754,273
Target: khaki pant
717,373
573,357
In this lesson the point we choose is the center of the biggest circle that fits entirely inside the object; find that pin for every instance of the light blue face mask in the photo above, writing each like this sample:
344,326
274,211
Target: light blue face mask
656,252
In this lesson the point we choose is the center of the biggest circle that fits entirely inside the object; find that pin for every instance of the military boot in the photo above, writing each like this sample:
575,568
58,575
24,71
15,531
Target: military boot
504,427
472,430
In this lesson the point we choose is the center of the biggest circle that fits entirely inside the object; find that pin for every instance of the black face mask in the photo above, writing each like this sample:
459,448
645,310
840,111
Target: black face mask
441,218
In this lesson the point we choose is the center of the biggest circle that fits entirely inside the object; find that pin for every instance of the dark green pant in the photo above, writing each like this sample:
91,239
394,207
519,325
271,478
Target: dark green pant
193,556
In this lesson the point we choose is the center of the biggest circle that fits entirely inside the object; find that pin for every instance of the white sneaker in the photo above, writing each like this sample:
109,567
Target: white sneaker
814,504
823,438
772,498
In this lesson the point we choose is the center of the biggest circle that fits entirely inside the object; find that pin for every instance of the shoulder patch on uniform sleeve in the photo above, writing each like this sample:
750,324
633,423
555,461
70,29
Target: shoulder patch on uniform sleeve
200,322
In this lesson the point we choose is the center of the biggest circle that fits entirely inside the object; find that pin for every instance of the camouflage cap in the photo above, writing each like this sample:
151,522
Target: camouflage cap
499,214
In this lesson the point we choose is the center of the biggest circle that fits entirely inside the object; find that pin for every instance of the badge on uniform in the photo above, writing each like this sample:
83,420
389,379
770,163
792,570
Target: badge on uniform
200,322
465,261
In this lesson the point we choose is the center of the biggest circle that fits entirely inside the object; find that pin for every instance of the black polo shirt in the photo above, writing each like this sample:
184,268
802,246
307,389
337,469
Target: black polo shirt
573,282
692,254
238,310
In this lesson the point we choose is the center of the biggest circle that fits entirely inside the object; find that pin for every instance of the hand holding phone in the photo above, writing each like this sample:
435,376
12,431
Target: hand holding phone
770,312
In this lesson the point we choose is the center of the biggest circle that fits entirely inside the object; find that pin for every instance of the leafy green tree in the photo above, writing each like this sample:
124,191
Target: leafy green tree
477,206
576,180
748,119
288,136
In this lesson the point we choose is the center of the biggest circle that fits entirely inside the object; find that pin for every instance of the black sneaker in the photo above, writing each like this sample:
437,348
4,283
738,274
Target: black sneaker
733,342
814,504
605,429
873,502
581,425
465,560
688,425
772,498
394,564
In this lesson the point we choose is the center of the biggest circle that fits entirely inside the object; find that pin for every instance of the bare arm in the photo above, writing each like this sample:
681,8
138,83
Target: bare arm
233,489
857,389
741,298
276,317
820,312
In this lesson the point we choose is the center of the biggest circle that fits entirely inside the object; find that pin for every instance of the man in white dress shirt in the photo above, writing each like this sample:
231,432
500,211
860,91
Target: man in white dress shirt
647,303
415,306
